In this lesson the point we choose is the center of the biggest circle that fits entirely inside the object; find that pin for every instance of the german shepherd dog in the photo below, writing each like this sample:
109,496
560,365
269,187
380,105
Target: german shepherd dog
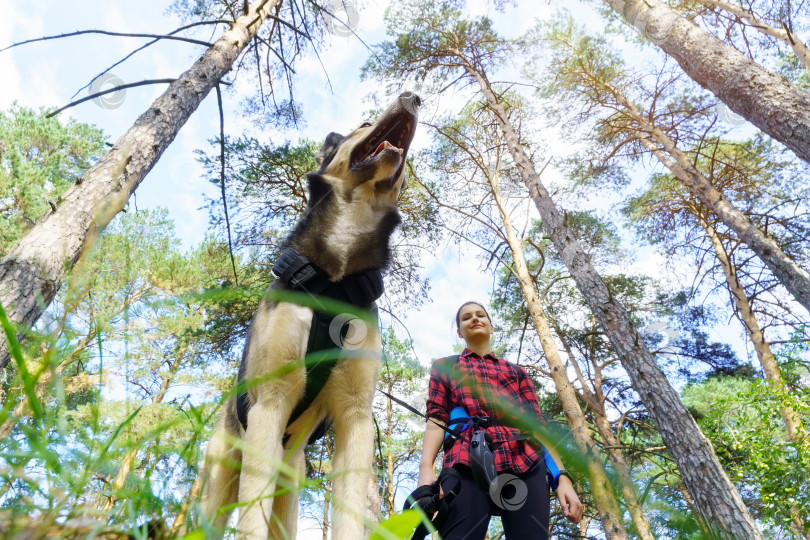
350,216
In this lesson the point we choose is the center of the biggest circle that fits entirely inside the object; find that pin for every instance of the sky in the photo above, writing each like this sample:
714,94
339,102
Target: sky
47,74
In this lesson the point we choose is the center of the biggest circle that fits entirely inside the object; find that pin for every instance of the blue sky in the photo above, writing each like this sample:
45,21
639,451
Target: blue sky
47,74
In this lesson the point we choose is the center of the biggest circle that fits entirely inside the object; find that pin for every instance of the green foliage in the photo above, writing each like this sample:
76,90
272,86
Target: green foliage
124,378
397,526
789,66
427,40
741,417
267,190
40,158
400,436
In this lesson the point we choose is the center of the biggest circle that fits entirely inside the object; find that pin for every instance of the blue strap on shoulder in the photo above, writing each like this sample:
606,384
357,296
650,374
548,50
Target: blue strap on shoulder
462,419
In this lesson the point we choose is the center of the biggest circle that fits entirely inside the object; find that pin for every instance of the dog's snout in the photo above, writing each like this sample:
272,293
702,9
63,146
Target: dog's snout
409,98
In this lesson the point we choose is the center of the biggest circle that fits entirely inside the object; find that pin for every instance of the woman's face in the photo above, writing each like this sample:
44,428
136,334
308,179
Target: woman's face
473,323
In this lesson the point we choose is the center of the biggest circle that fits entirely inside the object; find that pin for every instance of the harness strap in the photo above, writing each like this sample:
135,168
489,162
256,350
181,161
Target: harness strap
361,289
459,421
297,272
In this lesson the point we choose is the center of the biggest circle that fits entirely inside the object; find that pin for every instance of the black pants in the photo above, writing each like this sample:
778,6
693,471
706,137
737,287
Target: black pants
522,501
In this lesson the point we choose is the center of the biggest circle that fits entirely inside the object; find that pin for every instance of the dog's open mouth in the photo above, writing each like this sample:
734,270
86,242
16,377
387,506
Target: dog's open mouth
370,156
389,140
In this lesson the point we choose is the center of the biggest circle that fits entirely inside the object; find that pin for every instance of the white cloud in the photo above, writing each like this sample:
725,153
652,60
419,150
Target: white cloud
15,26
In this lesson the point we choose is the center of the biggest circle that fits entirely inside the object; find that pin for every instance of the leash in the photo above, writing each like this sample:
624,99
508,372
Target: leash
398,401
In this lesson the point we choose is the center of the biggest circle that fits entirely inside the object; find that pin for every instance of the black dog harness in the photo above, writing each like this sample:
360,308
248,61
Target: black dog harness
298,273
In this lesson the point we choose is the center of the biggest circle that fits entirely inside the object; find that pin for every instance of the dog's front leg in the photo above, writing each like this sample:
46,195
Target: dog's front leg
261,457
354,453
263,453
274,360
354,444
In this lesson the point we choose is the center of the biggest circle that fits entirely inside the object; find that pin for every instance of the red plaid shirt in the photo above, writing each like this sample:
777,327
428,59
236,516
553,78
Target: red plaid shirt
487,386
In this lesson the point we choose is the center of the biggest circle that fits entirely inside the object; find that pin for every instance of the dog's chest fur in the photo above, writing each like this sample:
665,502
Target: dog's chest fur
345,232
355,238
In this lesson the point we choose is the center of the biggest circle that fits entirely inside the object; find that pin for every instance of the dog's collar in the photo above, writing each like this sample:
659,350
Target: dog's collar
299,273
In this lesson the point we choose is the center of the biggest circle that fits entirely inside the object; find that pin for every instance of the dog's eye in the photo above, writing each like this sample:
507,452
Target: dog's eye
365,124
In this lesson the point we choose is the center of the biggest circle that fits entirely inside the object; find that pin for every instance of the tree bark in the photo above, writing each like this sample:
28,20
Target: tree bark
33,271
769,101
327,503
795,279
691,504
715,495
782,34
744,310
602,493
595,401
180,518
643,529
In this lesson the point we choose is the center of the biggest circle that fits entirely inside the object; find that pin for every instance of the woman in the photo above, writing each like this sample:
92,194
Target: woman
481,383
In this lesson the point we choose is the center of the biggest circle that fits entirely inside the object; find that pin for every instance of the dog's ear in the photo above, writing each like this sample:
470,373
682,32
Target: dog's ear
329,149
318,189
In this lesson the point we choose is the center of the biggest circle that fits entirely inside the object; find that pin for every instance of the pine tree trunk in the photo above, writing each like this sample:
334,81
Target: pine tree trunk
799,524
691,504
595,401
605,502
180,519
327,504
623,472
794,278
769,101
389,463
715,495
108,502
746,314
32,272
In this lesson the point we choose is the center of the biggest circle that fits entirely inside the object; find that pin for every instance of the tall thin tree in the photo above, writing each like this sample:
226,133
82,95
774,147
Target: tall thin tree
32,272
433,44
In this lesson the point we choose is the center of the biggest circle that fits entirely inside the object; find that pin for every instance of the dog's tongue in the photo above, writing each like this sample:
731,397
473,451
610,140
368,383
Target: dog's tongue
384,145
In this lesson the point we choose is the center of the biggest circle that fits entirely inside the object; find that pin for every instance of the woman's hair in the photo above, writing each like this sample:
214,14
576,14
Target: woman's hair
458,313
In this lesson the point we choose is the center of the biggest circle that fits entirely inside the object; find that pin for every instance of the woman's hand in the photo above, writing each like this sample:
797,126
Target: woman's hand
569,501
427,476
